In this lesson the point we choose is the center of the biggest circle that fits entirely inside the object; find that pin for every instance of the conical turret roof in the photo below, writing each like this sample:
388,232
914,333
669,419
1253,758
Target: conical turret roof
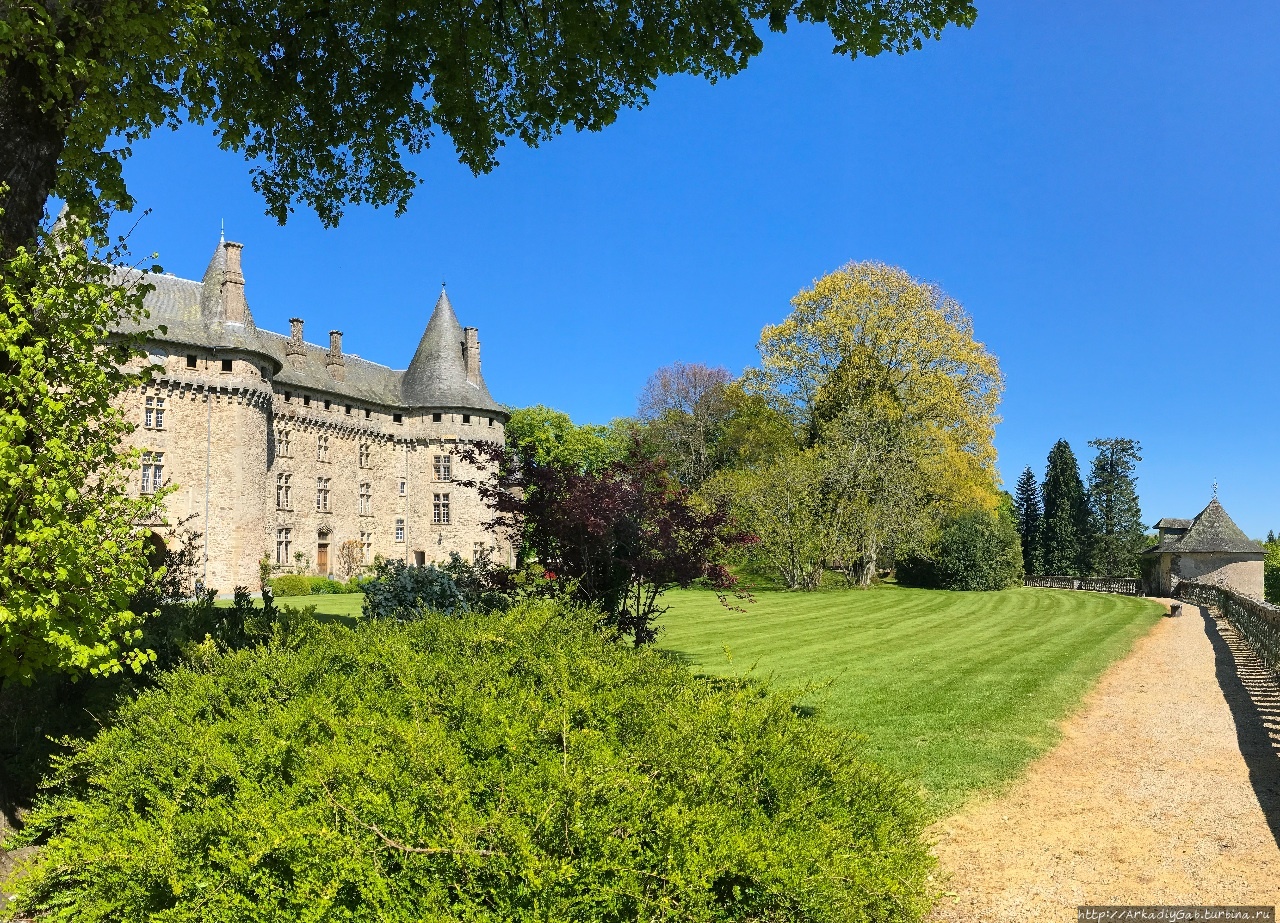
437,376
1214,530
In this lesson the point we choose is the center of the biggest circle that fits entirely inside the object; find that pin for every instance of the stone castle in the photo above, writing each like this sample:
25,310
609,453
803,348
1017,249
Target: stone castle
305,454
1208,549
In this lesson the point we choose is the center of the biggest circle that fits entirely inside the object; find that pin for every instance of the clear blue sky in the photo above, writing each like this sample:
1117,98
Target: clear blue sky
1096,182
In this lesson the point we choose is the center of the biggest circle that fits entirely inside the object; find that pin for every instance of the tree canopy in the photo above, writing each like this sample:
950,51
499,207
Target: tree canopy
326,104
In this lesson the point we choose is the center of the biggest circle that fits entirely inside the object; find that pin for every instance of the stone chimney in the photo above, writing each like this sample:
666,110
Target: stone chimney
471,353
234,308
333,360
295,349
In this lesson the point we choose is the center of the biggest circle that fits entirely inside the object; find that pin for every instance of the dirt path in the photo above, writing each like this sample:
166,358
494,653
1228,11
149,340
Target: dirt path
1164,790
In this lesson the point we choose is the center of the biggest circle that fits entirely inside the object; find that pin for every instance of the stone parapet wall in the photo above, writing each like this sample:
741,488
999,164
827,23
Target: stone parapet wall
1125,586
1258,622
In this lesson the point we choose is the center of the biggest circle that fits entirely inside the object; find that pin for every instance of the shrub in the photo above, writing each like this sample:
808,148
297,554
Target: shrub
514,767
975,550
292,585
398,591
1271,573
324,586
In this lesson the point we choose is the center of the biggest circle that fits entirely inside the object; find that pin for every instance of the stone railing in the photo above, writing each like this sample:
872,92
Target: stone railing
1257,622
1125,586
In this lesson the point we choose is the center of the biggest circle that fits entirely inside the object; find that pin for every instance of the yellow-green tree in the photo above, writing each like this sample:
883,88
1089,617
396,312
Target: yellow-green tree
884,374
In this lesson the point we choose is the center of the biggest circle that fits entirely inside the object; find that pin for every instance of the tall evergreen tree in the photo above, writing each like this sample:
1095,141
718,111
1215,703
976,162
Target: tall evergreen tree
1271,536
1029,515
1064,532
1115,515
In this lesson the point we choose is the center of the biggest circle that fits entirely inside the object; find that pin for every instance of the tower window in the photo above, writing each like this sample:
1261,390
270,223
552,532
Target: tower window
491,421
367,413
152,471
283,499
322,448
348,410
444,467
397,418
226,365
322,495
402,487
326,405
288,397
466,418
435,418
154,413
306,400
366,499
191,361
282,443
440,509
366,547
364,455
399,530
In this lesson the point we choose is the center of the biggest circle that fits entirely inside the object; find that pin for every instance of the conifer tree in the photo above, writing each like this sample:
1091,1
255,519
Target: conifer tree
1029,515
1271,536
1116,517
1065,529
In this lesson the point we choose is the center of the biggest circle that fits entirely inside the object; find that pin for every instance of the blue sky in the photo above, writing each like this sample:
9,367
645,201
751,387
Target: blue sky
1096,182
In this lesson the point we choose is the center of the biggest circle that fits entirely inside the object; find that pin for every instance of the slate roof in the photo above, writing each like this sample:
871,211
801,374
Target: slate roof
1213,531
1168,523
191,312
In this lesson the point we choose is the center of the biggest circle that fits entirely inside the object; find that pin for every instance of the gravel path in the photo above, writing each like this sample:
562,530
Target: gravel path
1164,790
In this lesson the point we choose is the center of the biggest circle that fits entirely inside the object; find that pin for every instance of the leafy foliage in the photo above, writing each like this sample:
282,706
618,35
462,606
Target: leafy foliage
1271,573
975,550
291,585
325,107
71,556
514,768
1116,530
1065,535
615,538
397,590
539,435
684,407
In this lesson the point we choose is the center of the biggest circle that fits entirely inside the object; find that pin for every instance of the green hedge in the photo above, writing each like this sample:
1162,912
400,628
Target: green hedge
291,585
1271,574
514,767
975,550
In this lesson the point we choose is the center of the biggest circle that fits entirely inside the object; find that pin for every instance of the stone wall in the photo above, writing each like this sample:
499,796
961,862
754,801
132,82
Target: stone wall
1239,572
231,424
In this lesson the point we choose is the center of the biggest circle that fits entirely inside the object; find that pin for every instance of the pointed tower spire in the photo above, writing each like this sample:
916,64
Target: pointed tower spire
222,295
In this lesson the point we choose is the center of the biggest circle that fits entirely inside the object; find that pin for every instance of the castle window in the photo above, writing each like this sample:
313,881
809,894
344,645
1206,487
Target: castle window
367,413
364,455
288,397
282,443
191,361
402,486
366,499
154,415
397,418
466,418
444,467
322,495
348,410
282,545
226,365
435,418
322,448
366,547
326,405
491,421
399,530
152,471
306,400
440,509
283,499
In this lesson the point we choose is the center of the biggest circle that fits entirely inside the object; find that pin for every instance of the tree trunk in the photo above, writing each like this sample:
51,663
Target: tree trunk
31,142
867,565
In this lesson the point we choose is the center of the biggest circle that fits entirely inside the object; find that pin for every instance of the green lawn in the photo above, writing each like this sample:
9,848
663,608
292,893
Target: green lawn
957,690
344,604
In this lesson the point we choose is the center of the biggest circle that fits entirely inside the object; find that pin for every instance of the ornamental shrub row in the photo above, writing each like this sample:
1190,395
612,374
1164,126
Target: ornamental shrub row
510,767
302,585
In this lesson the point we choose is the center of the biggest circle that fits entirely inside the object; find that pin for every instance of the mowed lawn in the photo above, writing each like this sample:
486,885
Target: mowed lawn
338,604
959,691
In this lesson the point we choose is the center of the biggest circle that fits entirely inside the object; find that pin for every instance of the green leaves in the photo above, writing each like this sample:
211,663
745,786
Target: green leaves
70,552
515,768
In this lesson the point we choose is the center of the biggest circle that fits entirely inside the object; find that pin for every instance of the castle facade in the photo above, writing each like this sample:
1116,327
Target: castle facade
312,458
